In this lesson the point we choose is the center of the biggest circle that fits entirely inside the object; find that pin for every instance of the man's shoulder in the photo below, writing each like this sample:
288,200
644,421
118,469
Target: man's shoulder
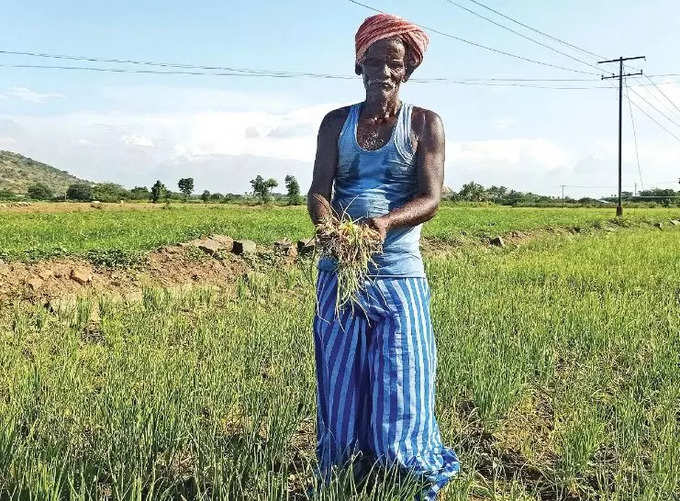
333,121
336,115
424,121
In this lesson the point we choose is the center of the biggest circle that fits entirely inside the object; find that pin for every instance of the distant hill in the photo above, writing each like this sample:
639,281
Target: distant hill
18,172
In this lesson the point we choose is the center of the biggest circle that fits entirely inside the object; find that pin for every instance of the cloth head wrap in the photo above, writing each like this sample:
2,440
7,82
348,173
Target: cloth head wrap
381,26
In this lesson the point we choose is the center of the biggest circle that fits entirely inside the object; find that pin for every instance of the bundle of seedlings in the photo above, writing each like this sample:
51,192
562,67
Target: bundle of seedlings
352,245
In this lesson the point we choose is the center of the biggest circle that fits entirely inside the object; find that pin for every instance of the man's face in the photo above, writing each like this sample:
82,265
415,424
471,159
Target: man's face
383,68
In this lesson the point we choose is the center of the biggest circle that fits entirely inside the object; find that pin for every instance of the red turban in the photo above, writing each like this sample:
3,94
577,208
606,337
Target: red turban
381,26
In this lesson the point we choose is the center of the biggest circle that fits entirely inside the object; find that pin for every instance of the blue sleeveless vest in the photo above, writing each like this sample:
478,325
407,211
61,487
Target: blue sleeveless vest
371,183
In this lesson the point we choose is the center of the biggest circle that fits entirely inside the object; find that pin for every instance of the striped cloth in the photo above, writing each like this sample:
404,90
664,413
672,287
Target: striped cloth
375,372
381,26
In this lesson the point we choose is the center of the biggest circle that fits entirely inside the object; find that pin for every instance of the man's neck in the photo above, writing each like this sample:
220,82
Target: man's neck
381,109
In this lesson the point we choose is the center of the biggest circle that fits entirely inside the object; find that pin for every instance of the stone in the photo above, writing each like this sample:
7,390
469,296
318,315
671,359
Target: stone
675,222
285,248
497,241
306,247
96,204
81,276
209,246
658,225
45,274
34,283
244,247
227,242
61,271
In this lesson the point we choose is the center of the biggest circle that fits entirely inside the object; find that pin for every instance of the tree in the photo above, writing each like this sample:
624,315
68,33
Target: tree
293,190
186,186
39,191
472,192
158,191
216,196
205,196
109,192
79,191
262,188
140,193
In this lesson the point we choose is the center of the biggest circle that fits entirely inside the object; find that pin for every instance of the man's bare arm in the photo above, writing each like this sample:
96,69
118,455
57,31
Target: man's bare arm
430,172
325,163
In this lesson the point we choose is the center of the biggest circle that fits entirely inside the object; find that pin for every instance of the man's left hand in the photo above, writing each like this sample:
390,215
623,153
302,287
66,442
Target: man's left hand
381,224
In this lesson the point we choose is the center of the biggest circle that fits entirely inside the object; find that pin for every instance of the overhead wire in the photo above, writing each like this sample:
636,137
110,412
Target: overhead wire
655,108
632,120
538,42
556,39
663,93
474,82
654,120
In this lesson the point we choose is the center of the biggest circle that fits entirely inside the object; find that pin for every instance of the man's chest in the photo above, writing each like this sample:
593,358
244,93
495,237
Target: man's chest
372,135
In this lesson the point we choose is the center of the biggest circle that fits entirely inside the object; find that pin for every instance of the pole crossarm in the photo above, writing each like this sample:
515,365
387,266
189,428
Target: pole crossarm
639,73
621,59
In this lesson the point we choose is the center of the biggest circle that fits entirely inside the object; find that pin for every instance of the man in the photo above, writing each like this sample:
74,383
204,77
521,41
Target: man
375,366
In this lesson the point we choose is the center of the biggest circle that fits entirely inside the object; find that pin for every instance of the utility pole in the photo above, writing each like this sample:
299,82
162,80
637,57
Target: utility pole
635,191
620,76
563,185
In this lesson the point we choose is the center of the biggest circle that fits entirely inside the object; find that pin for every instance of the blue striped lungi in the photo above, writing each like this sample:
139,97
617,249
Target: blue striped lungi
375,371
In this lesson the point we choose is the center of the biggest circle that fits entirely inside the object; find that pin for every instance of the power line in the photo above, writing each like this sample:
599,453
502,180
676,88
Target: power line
521,34
663,93
637,154
230,69
485,47
656,109
536,30
654,120
474,83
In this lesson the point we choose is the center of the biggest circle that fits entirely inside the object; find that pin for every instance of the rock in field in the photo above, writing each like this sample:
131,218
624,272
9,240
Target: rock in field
227,242
211,244
34,283
305,247
244,247
285,248
497,241
81,276
45,274
658,225
675,222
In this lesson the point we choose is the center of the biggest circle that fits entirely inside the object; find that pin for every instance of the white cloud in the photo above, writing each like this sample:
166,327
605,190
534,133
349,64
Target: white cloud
30,96
137,141
503,123
510,152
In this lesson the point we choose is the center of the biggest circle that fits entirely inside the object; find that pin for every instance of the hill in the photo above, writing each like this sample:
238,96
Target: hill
18,172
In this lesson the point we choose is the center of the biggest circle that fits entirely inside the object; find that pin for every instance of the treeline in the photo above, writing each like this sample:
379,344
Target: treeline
112,192
501,195
262,192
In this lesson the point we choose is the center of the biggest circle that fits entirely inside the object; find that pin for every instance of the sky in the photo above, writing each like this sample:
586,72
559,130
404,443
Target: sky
133,128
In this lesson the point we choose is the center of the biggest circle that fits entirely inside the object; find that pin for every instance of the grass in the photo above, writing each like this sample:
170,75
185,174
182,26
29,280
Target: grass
557,379
31,236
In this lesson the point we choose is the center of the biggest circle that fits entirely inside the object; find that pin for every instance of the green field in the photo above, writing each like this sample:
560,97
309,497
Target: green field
558,368
74,233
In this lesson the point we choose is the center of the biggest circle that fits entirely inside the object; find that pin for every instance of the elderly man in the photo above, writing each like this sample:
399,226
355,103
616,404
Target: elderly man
375,365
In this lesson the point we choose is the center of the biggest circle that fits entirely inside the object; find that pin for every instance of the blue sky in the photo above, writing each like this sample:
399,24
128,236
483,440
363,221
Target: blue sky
133,129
